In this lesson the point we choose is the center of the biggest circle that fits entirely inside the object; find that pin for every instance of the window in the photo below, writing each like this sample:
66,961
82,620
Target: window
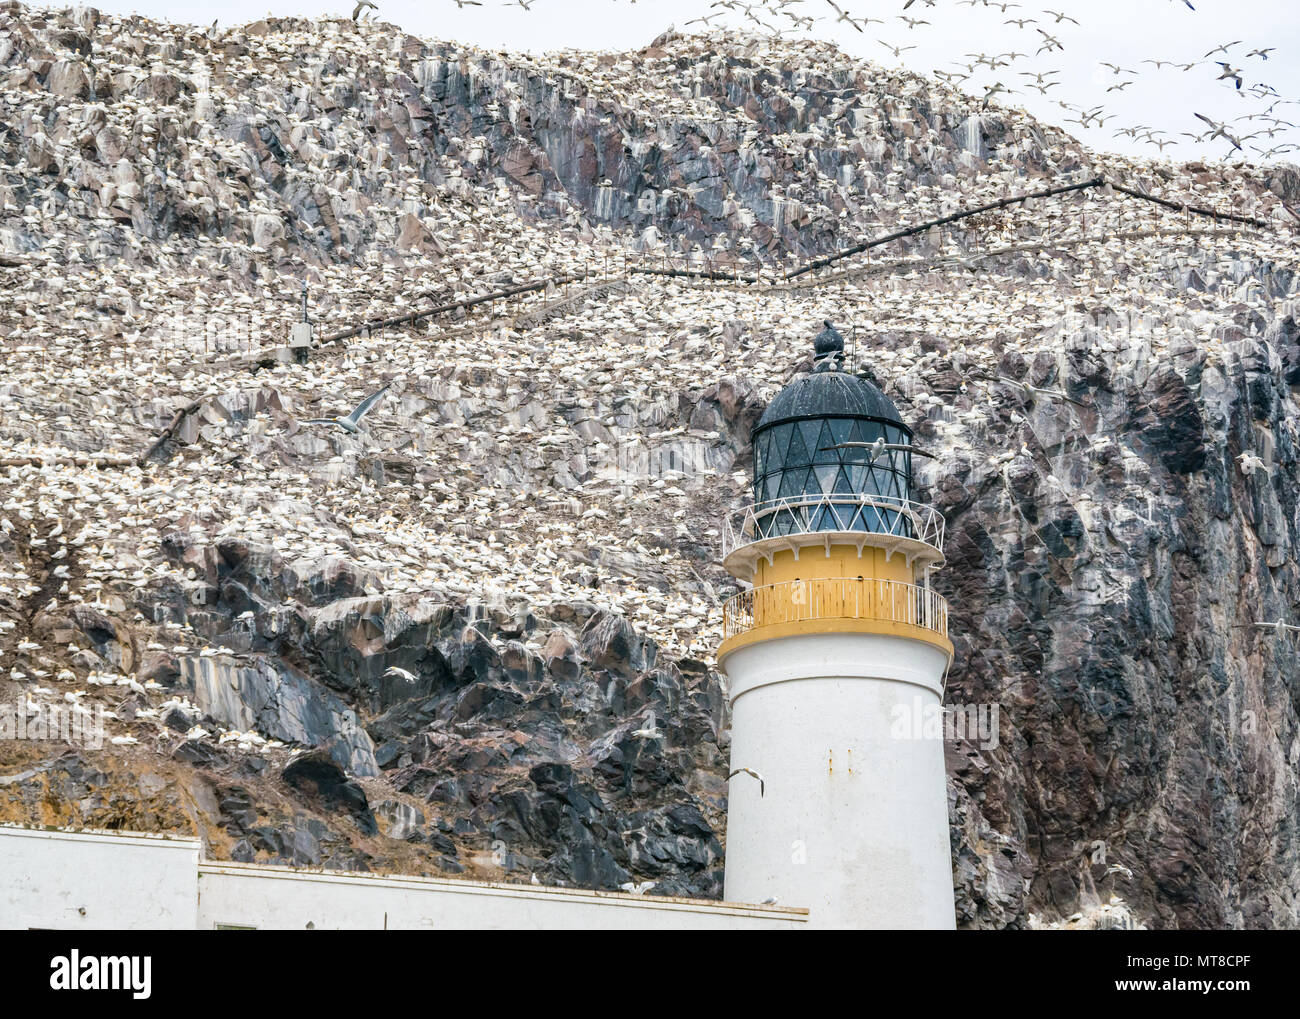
796,462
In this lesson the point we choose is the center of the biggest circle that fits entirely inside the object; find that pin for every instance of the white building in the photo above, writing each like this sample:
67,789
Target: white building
105,880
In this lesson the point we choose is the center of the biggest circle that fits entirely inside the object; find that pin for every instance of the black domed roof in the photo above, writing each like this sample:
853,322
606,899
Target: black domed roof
826,394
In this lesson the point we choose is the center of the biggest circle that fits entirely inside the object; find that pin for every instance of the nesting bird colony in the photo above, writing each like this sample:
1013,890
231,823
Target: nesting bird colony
165,192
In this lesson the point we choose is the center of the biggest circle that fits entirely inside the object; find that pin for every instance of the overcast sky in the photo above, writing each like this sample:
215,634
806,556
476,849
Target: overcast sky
1121,32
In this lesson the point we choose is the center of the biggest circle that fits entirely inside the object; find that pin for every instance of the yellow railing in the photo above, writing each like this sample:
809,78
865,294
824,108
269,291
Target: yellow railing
835,598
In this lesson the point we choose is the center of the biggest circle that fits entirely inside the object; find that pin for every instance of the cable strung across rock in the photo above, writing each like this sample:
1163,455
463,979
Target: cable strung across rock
169,431
1001,203
708,273
1196,210
469,302
812,266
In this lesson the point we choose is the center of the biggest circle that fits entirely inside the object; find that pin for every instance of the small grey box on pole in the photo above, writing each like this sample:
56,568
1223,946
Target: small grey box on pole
300,332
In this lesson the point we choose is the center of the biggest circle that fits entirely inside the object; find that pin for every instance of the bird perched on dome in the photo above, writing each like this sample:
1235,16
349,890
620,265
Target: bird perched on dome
828,348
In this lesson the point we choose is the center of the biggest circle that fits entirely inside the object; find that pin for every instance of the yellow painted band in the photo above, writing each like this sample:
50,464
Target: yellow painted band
814,564
805,627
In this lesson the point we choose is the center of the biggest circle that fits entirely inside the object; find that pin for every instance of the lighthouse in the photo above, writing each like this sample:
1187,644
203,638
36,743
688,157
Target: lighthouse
834,648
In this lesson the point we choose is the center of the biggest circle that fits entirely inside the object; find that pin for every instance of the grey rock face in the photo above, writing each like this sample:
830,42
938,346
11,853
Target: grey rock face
284,705
1137,724
577,800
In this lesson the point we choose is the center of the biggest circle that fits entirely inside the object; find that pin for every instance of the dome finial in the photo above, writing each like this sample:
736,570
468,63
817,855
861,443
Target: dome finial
828,349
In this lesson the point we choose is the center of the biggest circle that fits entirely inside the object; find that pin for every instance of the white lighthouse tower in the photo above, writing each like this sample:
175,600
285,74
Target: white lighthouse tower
839,643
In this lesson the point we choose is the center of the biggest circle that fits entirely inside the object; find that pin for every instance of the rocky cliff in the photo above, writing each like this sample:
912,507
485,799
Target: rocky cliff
447,643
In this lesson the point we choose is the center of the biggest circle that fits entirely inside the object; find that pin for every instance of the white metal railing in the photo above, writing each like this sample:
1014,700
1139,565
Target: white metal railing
814,514
835,598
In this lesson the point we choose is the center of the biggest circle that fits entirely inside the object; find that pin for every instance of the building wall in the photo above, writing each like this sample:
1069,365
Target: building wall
91,880
852,819
284,899
65,880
